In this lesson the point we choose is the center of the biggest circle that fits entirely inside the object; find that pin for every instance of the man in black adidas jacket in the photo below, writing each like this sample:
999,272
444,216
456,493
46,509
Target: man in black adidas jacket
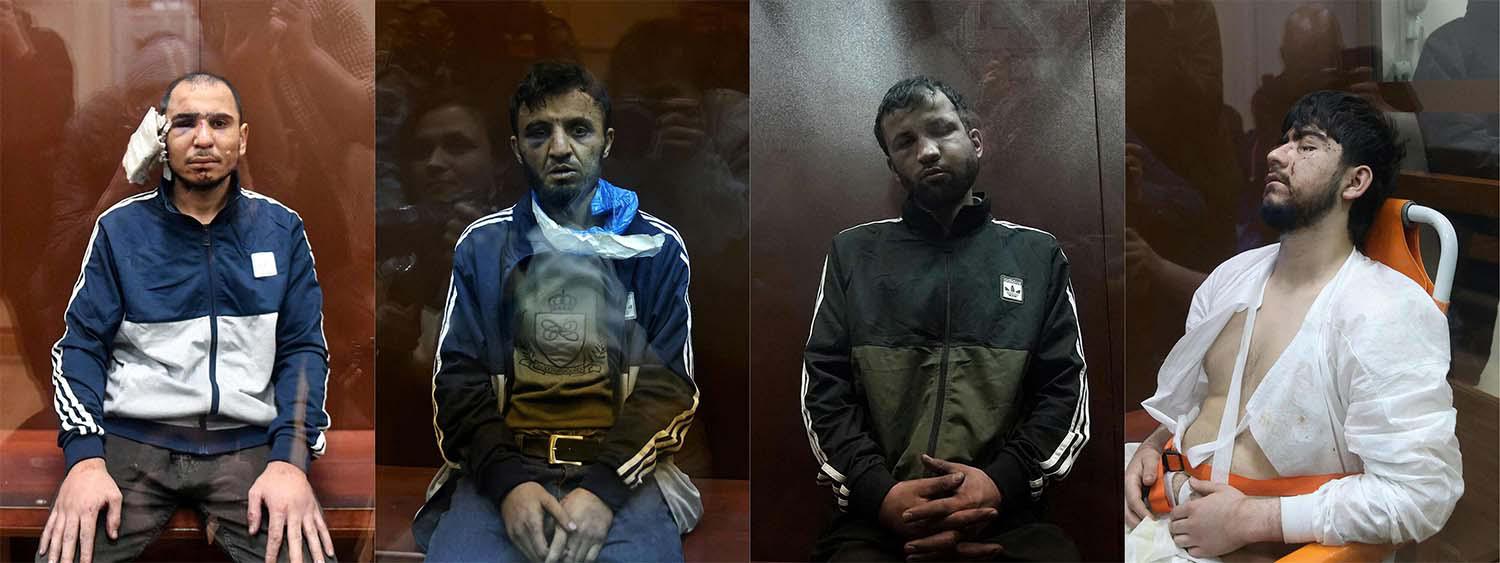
944,383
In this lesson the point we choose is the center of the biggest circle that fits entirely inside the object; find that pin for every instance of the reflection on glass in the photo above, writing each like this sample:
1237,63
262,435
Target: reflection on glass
76,78
1463,143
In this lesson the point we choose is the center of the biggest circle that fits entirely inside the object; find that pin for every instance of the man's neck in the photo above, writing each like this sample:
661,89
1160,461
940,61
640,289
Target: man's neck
576,214
202,205
946,213
1312,255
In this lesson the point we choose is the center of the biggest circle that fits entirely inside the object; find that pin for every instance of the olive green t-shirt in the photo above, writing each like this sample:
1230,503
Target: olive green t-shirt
562,359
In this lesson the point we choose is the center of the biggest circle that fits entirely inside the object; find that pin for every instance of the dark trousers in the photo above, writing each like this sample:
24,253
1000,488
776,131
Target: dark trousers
855,538
155,481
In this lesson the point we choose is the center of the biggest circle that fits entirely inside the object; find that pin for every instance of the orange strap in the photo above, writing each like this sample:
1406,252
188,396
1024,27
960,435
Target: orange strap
1280,487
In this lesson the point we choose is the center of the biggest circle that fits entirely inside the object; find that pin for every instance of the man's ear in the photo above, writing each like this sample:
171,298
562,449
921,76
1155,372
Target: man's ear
1356,181
515,149
974,137
244,137
609,140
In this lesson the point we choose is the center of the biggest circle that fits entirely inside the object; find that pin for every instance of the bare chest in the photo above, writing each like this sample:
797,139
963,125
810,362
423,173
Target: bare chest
1276,325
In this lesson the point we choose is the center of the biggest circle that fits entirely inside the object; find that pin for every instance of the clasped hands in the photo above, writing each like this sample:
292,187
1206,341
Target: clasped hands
939,516
581,523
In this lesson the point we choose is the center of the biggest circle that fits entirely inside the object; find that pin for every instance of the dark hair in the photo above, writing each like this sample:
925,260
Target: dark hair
906,93
201,77
548,79
1368,139
428,102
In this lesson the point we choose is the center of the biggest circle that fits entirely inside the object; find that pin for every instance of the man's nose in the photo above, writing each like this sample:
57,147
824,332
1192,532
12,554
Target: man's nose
1280,156
927,152
437,160
558,147
202,135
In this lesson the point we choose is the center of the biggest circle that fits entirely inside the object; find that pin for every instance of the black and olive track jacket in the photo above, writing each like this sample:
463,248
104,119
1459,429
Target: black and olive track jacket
962,346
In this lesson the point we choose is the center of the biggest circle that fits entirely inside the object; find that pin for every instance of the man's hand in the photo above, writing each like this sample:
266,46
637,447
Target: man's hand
87,488
291,22
1143,264
293,510
461,216
680,129
1140,475
593,518
974,502
13,41
522,511
907,494
1223,520
976,494
949,546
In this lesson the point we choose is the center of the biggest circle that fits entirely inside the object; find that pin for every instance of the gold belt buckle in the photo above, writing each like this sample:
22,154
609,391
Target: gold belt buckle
552,448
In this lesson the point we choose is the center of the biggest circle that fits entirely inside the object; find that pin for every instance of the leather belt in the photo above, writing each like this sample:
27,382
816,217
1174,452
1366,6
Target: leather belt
560,449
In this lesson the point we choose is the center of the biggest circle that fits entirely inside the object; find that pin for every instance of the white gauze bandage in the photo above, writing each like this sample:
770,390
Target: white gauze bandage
146,148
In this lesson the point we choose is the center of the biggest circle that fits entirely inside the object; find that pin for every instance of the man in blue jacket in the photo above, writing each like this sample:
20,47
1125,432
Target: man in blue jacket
564,375
193,365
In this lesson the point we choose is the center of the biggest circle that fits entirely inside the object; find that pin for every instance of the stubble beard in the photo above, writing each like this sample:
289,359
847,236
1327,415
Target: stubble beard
1292,216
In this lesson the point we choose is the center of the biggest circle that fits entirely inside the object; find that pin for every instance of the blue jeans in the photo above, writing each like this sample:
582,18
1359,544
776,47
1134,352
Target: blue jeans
472,529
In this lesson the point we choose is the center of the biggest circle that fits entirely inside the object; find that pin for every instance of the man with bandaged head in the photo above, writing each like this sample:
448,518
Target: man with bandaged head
192,368
564,375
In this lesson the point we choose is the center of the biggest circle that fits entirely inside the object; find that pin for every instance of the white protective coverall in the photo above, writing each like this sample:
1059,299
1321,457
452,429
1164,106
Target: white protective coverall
1361,388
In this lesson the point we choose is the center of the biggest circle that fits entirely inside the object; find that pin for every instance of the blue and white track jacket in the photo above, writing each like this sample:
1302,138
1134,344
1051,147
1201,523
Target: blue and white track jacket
471,380
196,338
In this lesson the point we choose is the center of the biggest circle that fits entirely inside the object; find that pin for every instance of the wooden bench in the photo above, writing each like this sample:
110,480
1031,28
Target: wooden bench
31,470
722,535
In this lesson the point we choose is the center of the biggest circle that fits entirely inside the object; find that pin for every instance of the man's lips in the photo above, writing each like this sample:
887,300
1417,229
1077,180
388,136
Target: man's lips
1274,178
931,172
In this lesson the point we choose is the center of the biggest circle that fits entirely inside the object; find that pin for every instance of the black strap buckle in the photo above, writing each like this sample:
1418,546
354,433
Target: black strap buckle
1172,460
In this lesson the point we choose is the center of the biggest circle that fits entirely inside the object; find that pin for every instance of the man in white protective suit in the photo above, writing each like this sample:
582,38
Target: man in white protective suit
1308,399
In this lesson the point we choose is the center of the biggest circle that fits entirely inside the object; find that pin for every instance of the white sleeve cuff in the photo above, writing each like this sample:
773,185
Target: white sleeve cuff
1298,514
